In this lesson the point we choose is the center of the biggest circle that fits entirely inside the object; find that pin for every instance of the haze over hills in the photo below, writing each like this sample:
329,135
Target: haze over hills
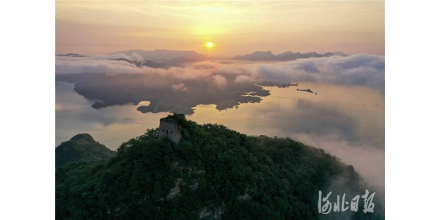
152,64
70,55
339,53
168,56
174,56
288,55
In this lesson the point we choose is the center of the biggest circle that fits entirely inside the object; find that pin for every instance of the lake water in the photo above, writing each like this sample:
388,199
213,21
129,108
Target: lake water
348,122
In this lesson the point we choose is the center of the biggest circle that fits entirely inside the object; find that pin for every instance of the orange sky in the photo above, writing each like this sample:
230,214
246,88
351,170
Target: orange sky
101,27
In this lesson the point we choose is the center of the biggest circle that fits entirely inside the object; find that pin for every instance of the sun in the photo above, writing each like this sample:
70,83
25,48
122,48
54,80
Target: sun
209,44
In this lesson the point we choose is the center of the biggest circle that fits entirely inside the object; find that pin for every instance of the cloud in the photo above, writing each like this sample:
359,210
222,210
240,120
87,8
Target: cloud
357,70
179,87
367,160
273,73
133,57
100,64
205,66
243,78
312,117
228,70
220,81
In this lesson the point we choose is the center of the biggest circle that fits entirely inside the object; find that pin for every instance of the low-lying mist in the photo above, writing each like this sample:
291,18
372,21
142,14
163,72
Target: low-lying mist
180,89
344,115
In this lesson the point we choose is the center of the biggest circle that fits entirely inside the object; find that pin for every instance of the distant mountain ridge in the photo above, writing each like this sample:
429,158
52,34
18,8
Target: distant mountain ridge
288,55
149,63
160,58
339,53
70,55
168,56
81,147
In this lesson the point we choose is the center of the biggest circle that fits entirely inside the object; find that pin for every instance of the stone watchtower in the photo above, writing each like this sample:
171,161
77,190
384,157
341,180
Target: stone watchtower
168,127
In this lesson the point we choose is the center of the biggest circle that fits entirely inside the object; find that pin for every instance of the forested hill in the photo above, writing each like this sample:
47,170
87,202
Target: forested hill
212,173
81,147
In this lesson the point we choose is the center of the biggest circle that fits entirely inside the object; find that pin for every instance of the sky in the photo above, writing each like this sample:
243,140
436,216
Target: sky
235,28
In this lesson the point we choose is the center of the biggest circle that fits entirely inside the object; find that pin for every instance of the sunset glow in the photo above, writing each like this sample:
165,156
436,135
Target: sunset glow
100,27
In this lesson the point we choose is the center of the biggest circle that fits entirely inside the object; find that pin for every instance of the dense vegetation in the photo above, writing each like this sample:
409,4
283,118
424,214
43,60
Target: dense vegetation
81,147
212,173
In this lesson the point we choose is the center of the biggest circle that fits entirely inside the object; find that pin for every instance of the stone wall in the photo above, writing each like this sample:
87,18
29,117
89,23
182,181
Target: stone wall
169,128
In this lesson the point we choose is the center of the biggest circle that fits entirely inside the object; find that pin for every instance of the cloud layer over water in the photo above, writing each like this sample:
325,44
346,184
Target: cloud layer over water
357,70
